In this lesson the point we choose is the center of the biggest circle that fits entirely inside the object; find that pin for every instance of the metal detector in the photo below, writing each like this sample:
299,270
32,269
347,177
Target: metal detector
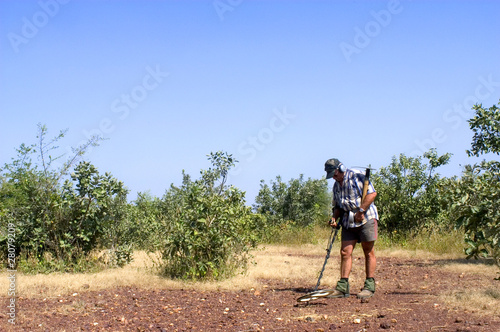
316,294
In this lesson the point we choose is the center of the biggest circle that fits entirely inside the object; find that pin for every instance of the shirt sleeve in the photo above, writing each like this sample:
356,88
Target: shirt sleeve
334,202
371,188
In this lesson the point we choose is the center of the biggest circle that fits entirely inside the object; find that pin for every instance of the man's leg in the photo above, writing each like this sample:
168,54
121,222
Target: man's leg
346,258
342,288
370,260
370,265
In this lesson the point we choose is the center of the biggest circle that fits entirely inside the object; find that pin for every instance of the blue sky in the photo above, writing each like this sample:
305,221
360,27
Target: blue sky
281,85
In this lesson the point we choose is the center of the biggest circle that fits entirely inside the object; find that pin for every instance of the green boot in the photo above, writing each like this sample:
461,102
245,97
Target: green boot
342,289
368,289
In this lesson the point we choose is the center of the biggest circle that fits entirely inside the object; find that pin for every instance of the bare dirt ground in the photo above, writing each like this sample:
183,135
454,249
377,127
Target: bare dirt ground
407,299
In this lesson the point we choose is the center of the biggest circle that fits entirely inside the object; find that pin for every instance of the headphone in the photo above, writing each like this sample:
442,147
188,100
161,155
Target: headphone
342,168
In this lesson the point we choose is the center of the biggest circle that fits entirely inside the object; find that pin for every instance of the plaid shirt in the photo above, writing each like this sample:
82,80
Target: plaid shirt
348,197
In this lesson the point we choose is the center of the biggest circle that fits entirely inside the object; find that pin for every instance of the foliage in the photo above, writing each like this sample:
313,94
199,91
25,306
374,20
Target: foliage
486,127
300,202
143,224
93,212
476,198
210,231
57,225
409,192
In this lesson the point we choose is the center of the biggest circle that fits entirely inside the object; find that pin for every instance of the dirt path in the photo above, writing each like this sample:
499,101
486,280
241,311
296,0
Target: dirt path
406,300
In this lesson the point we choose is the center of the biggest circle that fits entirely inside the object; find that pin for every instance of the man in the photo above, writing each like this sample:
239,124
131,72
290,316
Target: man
359,224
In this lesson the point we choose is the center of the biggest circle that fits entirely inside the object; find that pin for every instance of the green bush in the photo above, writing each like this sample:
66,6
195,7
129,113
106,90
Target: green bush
143,223
56,224
476,197
209,230
92,209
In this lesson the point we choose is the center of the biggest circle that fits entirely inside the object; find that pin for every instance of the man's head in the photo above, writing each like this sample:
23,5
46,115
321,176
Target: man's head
333,165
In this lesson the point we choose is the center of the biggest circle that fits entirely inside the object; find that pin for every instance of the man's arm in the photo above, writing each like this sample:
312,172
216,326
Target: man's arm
336,215
365,205
369,199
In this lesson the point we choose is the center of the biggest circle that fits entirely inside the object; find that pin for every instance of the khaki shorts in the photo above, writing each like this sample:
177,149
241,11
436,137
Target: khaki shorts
365,233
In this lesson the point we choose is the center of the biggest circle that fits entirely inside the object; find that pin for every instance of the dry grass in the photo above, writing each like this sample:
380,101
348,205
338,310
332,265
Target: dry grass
289,264
483,300
470,267
294,265
484,297
297,266
138,273
416,253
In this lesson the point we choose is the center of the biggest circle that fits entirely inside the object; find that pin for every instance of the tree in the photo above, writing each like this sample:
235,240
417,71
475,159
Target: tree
303,202
475,202
477,195
144,222
486,127
408,192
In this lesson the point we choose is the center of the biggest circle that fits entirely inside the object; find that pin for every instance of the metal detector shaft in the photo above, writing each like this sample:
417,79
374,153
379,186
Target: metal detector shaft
320,294
328,250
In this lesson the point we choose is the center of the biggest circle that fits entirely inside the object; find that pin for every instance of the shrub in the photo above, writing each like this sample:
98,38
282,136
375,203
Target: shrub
143,222
476,197
209,230
56,224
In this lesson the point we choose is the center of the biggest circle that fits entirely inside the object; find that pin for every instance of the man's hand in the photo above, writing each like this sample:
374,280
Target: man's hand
359,216
333,222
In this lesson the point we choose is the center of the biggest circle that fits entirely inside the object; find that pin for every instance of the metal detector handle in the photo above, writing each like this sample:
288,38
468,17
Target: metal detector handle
366,184
340,217
337,222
